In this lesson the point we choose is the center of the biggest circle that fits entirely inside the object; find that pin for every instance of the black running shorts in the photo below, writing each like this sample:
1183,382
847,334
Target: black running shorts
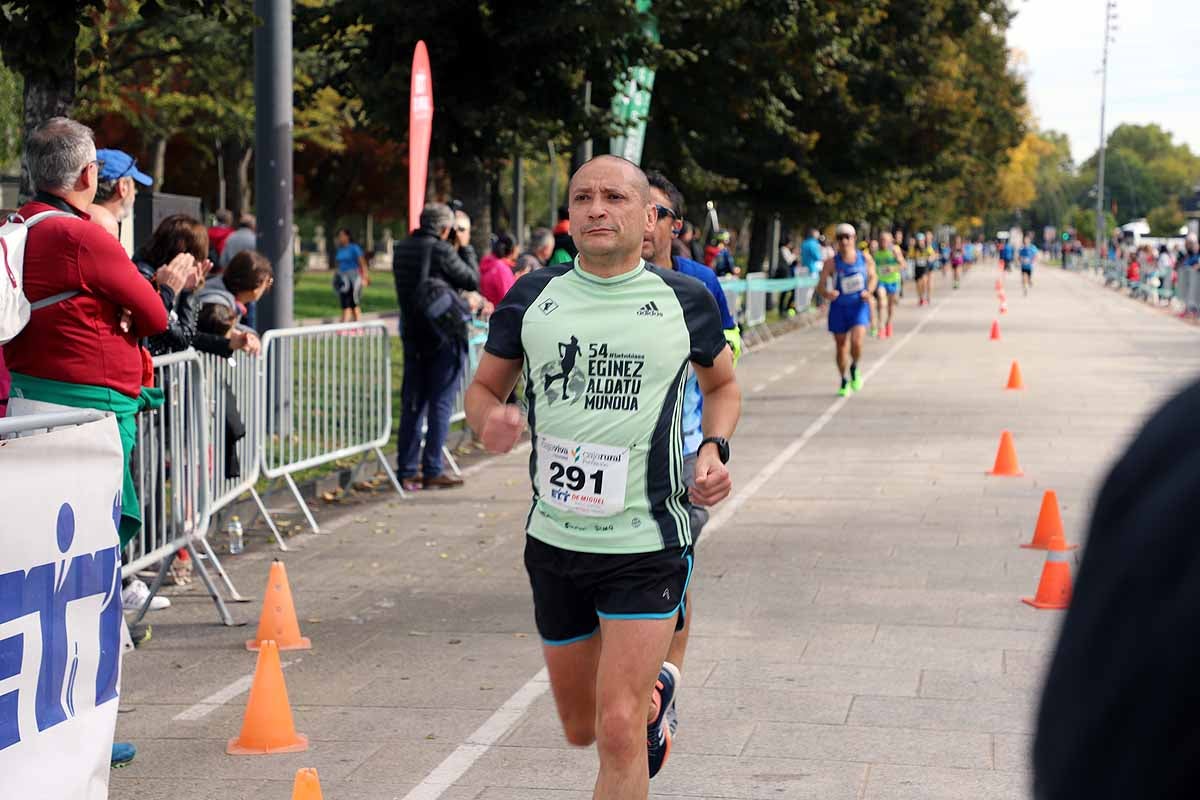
573,590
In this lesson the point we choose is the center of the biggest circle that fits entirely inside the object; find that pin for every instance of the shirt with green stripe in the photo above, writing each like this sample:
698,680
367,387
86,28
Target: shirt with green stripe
887,265
605,362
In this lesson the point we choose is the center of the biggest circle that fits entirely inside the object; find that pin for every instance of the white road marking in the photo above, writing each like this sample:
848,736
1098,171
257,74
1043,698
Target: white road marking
478,743
491,731
221,697
759,388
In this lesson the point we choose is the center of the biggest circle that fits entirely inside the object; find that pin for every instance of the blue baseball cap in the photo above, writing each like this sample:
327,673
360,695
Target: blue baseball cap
116,164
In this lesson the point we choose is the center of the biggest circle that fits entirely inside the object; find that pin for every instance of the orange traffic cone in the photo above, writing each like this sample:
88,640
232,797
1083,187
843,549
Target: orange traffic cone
307,785
1006,458
1003,307
1002,297
995,335
278,620
1054,589
999,284
1048,535
1014,377
268,726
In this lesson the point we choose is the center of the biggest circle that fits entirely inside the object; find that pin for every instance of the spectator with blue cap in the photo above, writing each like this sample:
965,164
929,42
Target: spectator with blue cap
115,189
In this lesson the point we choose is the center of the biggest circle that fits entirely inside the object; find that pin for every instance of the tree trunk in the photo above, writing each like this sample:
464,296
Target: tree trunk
237,176
45,96
158,171
471,186
760,238
496,202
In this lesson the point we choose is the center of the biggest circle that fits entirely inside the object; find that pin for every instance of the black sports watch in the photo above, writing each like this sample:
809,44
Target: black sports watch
722,447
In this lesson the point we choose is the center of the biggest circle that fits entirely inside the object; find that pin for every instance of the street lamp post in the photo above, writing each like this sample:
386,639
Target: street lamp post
1110,15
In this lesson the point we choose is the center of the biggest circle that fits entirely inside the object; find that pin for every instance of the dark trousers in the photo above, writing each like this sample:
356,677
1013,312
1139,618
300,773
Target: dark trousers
431,382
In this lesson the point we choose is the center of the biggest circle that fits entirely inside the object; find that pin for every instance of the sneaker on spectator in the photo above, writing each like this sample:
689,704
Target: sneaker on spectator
122,754
133,597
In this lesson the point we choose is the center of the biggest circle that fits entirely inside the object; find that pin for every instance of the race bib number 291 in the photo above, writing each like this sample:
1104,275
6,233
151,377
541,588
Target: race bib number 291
581,478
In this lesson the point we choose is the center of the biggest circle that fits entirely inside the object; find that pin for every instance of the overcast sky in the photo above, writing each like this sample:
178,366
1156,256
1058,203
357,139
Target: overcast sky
1153,70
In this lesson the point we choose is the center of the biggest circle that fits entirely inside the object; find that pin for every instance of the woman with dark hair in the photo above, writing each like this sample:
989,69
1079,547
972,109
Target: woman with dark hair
245,280
175,235
351,276
496,269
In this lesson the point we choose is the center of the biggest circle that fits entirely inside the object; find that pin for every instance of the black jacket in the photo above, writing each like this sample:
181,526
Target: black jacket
182,313
459,268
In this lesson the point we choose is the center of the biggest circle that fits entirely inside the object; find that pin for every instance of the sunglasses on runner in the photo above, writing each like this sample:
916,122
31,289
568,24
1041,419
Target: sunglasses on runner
842,236
663,211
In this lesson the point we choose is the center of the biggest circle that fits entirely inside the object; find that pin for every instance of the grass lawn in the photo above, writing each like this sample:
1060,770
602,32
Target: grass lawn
314,297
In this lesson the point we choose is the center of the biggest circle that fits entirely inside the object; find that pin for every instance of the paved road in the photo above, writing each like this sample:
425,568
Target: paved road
858,633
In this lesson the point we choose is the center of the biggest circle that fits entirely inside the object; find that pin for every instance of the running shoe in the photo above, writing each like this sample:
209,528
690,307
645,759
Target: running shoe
845,390
658,732
856,381
122,754
874,333
134,596
887,332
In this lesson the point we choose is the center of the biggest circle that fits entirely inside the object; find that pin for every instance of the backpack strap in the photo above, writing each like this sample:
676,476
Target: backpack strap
44,215
61,296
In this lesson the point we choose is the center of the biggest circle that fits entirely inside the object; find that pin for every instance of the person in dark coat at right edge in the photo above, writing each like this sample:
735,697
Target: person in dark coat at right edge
1120,711
432,370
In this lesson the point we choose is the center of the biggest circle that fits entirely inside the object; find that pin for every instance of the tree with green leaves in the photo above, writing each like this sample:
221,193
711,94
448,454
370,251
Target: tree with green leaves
508,78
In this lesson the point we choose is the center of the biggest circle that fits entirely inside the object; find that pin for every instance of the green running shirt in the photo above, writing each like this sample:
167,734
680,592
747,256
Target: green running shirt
605,364
886,265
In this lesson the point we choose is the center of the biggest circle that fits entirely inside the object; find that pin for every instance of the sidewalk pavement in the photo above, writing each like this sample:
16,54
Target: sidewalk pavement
859,632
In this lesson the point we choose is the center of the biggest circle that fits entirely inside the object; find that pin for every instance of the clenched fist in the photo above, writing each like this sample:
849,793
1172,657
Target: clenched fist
503,428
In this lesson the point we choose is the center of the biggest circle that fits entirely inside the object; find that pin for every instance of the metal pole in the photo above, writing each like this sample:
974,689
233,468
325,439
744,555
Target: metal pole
553,186
584,153
518,187
1101,222
273,154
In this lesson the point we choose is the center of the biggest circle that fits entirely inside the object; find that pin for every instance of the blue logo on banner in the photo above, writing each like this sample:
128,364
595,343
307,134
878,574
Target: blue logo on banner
46,590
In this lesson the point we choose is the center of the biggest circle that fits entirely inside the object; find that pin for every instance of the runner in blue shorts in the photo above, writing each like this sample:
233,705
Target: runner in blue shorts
848,281
1028,257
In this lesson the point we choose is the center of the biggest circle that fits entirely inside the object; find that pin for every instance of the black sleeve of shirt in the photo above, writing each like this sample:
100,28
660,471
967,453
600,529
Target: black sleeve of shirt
701,315
504,328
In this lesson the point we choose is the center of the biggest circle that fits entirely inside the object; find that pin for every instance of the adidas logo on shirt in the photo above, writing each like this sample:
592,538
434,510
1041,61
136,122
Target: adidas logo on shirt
649,310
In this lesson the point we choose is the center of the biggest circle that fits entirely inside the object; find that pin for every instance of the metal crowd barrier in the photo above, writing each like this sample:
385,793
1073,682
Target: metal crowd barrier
327,396
479,334
235,393
170,463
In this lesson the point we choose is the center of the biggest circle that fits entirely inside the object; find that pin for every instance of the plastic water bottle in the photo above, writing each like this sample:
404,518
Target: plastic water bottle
234,531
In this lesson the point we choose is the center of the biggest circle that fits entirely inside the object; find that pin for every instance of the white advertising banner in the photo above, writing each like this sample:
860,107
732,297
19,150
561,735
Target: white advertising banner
60,611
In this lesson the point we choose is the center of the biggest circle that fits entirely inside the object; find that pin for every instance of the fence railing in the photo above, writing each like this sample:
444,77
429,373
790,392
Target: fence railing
171,469
1179,287
327,395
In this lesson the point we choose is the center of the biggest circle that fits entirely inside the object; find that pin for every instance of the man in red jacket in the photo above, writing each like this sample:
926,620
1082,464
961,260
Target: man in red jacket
77,352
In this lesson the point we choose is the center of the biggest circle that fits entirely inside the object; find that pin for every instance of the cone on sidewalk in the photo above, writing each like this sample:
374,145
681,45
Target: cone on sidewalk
307,785
1003,307
267,726
1014,377
278,620
1054,588
999,284
995,335
1006,458
1048,534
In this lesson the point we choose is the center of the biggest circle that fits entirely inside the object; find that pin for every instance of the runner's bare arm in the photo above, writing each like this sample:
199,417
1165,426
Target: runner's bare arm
827,272
900,256
872,277
722,408
499,425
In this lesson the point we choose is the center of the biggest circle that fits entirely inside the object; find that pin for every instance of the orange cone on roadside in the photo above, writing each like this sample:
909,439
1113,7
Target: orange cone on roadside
1049,535
1054,588
267,726
278,620
1003,307
307,785
1006,458
999,284
1014,377
995,335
